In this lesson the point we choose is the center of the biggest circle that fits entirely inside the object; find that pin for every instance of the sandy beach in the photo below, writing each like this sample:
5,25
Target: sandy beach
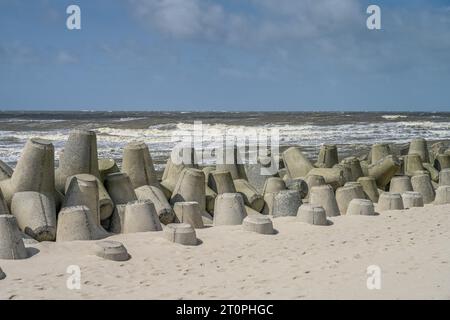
299,262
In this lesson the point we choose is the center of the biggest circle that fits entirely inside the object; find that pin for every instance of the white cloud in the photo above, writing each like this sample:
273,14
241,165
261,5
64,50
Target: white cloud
324,32
279,20
181,18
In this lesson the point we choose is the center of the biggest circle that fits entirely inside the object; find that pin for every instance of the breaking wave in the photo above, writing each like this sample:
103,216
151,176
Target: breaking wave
112,136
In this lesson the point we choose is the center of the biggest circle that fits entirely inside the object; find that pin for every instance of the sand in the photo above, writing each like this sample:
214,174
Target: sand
412,248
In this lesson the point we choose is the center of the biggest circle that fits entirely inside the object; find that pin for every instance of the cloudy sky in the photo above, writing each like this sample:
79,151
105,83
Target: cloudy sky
225,55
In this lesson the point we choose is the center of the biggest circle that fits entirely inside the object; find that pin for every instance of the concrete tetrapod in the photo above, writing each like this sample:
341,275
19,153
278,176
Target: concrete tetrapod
229,159
442,195
271,187
106,205
358,186
286,203
221,182
444,177
346,194
419,146
120,188
107,166
11,243
190,187
328,156
299,185
362,207
34,171
117,218
106,224
412,163
383,170
412,199
258,223
162,206
296,163
400,184
312,214
229,209
80,156
390,201
346,172
140,216
207,171
283,174
250,194
137,163
274,185
252,212
434,174
181,233
313,181
436,149
421,172
111,250
5,171
35,214
105,202
442,162
369,186
77,224
364,167
3,205
379,151
355,167
185,158
210,194
333,176
189,212
210,199
324,196
82,190
422,183
258,173
268,203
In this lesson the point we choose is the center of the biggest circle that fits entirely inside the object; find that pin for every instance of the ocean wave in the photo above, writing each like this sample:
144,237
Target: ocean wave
309,134
426,124
53,135
20,120
394,116
127,119
162,138
164,126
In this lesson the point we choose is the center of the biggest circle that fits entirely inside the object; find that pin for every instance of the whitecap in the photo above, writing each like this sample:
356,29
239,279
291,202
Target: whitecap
394,116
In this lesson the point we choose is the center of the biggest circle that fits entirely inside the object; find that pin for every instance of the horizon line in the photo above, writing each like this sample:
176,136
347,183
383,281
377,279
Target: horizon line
222,111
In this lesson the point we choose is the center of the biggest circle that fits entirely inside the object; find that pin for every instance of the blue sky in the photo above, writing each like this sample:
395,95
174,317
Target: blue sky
290,55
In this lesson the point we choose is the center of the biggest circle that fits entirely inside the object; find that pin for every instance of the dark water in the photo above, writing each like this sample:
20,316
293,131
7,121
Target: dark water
352,132
47,120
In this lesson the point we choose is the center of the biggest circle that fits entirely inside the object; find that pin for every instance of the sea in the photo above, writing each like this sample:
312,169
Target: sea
352,132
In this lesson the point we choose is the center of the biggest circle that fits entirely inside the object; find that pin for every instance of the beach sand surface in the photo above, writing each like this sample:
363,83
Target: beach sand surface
411,248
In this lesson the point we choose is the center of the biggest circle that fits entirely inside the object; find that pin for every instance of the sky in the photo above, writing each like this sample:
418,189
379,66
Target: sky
237,55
